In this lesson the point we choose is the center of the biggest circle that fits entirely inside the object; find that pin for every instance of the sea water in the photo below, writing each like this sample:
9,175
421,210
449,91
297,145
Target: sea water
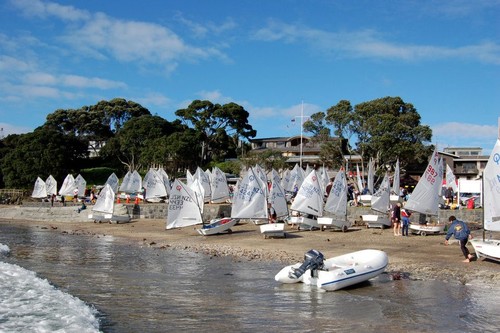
58,282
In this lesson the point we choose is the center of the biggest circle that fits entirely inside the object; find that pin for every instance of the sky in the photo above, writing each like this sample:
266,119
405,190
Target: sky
280,60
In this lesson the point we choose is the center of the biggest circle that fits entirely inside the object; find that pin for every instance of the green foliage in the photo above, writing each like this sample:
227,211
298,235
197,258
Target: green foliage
388,128
97,176
43,152
131,141
232,166
215,123
268,159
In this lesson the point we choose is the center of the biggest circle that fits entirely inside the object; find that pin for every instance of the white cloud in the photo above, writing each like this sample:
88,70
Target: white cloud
370,44
37,8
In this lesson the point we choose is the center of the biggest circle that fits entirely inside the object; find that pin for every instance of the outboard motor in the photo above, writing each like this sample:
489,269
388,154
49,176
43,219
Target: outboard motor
313,259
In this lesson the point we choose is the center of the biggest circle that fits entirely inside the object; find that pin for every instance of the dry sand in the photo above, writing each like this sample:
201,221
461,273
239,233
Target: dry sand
415,257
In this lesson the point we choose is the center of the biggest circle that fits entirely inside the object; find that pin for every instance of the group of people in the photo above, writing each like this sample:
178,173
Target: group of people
400,218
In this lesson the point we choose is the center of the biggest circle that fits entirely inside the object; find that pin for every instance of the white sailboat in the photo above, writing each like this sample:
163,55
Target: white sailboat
204,180
132,183
104,209
490,248
277,199
113,182
395,198
219,187
215,226
154,186
68,186
185,207
380,202
365,199
309,201
250,200
81,185
51,185
425,197
336,204
40,189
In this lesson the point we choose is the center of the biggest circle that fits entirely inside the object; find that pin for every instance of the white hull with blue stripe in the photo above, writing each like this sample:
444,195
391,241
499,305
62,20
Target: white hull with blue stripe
337,272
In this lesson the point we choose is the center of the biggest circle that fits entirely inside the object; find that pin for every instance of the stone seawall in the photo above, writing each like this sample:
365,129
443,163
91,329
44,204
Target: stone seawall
42,211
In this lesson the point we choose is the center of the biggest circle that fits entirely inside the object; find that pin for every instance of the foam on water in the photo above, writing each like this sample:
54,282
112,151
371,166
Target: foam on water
31,304
4,249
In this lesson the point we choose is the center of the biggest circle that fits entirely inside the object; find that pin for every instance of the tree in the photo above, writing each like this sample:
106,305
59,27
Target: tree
214,124
43,152
96,123
388,128
130,142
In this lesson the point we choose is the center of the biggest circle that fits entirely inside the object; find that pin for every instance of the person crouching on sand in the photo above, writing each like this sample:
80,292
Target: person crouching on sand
461,232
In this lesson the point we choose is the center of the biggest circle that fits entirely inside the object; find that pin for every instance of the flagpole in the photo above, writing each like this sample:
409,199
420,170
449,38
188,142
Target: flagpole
301,127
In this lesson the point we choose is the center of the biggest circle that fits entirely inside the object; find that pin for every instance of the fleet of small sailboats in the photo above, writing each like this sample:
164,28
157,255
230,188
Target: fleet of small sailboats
256,194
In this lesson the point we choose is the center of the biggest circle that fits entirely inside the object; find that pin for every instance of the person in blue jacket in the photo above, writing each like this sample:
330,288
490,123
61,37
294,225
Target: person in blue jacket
461,232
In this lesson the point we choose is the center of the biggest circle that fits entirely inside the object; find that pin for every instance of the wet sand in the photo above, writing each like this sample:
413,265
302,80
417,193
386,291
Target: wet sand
415,257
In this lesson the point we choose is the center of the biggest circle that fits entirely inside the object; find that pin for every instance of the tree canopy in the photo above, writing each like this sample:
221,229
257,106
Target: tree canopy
215,123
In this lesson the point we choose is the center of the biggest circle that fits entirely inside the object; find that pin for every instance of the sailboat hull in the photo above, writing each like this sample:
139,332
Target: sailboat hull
218,226
489,249
273,230
340,272
376,221
340,223
424,229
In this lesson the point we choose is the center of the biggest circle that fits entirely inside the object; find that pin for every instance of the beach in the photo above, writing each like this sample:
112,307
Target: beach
415,257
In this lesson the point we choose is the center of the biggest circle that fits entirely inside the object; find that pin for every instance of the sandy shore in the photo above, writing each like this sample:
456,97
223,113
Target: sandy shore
416,257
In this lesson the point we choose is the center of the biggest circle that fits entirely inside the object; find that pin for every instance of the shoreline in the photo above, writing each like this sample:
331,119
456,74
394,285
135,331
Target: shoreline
415,257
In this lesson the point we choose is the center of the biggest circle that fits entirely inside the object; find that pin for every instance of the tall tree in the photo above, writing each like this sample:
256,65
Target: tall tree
214,124
388,128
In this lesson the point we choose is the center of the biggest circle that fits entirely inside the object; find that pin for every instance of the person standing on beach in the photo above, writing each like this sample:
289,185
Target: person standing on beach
396,219
405,221
461,232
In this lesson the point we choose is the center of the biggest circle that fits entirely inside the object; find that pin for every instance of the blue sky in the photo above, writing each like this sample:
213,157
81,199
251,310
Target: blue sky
271,57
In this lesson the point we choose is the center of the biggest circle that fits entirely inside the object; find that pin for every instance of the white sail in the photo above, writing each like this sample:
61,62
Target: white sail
296,178
39,190
81,185
125,185
277,196
396,180
68,186
451,181
219,186
135,182
324,179
491,175
381,199
359,179
249,201
153,183
183,207
166,179
425,197
199,193
309,199
337,199
204,179
113,182
105,200
285,179
51,185
371,175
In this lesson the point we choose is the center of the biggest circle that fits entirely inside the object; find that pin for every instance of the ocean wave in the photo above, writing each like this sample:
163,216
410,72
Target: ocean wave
32,304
